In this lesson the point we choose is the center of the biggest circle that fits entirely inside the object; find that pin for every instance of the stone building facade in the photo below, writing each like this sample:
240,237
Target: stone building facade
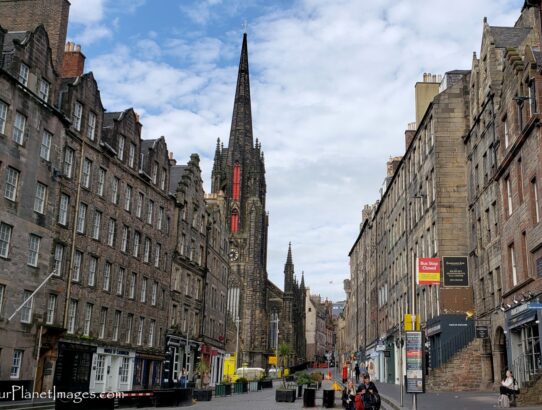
102,224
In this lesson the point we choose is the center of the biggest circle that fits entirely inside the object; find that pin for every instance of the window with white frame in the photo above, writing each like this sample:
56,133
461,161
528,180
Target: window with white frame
157,251
154,172
120,148
5,239
33,250
150,211
513,266
59,259
144,291
154,293
19,126
536,204
72,315
120,281
131,155
107,277
139,204
68,162
124,243
147,250
133,280
101,181
92,267
2,294
91,126
137,238
77,116
43,91
140,331
150,340
96,225
115,190
51,308
129,326
12,182
111,232
45,148
103,321
82,217
63,209
3,116
127,197
88,319
23,74
15,370
40,197
116,325
77,262
506,133
163,176
124,368
100,368
508,195
26,310
160,218
87,169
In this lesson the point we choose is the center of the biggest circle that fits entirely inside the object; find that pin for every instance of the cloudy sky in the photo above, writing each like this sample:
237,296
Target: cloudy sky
332,92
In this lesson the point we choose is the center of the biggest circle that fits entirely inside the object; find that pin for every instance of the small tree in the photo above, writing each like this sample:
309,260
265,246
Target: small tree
283,352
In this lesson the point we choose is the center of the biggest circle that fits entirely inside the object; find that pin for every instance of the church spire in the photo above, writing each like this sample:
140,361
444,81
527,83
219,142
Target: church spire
302,285
241,123
289,271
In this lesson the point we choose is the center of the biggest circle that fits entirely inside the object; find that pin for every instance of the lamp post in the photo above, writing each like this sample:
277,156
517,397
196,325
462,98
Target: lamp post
237,321
399,343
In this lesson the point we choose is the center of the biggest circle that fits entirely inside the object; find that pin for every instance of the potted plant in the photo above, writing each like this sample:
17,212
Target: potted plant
302,379
227,385
316,379
202,392
266,382
283,393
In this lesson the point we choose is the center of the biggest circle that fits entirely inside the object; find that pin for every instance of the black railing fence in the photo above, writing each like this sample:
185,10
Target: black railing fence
441,353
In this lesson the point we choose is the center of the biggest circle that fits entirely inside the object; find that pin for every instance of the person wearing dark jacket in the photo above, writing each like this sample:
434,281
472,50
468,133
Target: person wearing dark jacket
371,398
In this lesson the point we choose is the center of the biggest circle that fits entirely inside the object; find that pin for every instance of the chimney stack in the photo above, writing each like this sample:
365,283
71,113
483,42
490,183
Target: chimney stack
409,134
74,61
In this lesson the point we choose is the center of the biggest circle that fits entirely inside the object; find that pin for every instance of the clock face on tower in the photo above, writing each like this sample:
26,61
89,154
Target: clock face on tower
234,254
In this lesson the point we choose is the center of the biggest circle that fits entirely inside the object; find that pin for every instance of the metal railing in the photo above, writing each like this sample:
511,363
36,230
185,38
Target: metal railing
442,353
527,367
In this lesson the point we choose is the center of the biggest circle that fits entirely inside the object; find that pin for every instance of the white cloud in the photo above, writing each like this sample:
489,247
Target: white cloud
332,92
86,11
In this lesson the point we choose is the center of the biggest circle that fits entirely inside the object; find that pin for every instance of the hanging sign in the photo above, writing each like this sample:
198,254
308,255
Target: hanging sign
455,271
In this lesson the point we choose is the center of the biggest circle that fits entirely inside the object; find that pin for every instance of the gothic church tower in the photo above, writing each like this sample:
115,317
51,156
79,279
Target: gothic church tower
239,172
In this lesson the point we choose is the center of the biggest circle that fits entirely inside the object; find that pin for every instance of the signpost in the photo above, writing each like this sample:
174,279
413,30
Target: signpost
415,382
456,271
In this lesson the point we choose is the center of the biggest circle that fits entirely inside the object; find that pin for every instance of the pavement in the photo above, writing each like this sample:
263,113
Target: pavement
391,395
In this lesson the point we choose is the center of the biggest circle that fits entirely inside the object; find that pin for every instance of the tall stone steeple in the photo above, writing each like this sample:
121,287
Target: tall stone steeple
241,122
289,271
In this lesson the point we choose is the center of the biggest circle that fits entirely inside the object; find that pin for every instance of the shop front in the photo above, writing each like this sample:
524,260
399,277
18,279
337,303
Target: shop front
73,367
112,370
178,356
523,341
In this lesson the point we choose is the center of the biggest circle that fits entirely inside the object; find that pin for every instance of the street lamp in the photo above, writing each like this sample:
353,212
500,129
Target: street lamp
237,321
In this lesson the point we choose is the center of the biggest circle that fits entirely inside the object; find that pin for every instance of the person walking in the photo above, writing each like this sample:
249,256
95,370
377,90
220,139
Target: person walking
349,395
357,372
371,398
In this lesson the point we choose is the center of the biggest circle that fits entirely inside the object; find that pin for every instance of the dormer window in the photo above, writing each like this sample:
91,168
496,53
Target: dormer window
44,90
23,74
91,126
163,179
154,174
77,116
131,155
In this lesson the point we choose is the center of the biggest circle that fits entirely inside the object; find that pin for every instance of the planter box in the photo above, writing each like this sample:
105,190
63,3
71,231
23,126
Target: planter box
328,400
253,386
238,387
309,397
267,384
203,394
220,390
285,396
227,390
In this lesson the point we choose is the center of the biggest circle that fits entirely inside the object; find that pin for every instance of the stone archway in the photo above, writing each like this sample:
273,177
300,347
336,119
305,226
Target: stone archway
500,358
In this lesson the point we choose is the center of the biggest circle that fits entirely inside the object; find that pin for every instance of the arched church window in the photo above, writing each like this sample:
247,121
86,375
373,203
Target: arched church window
236,180
234,221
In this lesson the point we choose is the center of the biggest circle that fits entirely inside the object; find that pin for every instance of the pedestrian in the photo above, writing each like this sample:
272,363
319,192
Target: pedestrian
357,372
184,378
371,398
349,395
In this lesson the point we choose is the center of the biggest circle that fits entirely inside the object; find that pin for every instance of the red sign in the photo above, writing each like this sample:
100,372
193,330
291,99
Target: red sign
428,271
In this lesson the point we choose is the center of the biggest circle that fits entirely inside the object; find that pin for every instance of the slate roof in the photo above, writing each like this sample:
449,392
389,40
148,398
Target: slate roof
175,175
506,37
109,117
8,47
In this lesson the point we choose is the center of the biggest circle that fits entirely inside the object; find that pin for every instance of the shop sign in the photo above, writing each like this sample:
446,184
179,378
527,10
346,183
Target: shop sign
455,271
415,382
433,330
482,332
428,271
380,347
